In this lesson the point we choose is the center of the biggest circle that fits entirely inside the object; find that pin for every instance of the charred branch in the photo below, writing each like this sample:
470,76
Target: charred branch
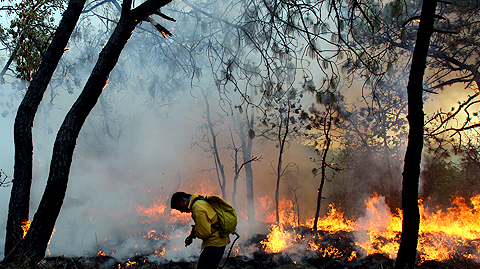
157,12
159,27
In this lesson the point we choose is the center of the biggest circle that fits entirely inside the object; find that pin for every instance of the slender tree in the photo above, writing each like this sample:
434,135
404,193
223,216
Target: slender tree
280,128
238,167
327,121
411,172
222,181
244,130
20,197
34,244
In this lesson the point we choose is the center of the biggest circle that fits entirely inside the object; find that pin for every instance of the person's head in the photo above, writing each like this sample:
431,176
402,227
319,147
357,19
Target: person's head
179,201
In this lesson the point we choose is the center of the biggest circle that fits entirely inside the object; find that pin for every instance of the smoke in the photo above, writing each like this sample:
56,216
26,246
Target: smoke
375,221
149,157
135,150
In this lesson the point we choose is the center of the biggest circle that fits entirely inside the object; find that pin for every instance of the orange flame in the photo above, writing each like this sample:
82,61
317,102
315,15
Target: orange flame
440,235
130,263
278,239
334,221
25,227
377,232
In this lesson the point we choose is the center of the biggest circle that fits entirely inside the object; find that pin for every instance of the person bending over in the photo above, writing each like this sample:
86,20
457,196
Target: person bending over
205,218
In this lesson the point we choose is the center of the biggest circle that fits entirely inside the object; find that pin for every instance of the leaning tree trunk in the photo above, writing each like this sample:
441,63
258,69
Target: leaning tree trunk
20,197
411,171
35,242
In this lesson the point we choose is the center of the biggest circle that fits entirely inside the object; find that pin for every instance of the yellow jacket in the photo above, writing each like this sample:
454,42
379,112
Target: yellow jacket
204,216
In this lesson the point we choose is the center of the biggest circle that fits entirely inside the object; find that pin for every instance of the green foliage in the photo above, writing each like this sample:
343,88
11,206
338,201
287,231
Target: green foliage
30,32
395,9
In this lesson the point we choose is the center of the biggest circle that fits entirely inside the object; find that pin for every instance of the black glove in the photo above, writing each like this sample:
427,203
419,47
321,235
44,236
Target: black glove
189,239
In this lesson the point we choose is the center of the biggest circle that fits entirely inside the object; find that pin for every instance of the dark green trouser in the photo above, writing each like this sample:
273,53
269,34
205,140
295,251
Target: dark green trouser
210,257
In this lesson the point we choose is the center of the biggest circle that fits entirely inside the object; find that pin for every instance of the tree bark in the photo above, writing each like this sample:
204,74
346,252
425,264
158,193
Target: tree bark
411,172
328,140
281,141
247,155
20,196
35,242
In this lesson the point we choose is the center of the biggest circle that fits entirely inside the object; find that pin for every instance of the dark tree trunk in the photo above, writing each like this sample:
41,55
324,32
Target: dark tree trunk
20,197
328,140
281,141
411,217
35,242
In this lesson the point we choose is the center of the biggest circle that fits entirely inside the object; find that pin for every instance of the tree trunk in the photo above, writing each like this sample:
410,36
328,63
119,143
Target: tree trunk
328,140
20,196
216,156
249,183
35,242
237,171
247,144
411,217
234,193
281,141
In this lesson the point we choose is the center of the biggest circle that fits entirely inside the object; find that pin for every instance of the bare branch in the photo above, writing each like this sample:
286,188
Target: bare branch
4,181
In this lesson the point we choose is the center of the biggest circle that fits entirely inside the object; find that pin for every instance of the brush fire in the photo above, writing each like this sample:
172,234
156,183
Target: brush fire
446,236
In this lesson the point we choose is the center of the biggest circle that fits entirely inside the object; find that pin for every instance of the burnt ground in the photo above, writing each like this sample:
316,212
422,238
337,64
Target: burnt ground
261,261
300,257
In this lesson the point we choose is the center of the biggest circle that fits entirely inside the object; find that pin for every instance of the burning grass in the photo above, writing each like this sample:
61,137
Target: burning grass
448,239
309,250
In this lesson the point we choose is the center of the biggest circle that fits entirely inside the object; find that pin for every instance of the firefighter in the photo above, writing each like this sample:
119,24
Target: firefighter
204,216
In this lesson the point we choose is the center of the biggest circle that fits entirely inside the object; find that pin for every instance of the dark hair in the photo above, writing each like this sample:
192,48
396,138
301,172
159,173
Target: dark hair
177,198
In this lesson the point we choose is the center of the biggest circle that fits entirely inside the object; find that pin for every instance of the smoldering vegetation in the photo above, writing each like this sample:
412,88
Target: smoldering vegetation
343,256
149,136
